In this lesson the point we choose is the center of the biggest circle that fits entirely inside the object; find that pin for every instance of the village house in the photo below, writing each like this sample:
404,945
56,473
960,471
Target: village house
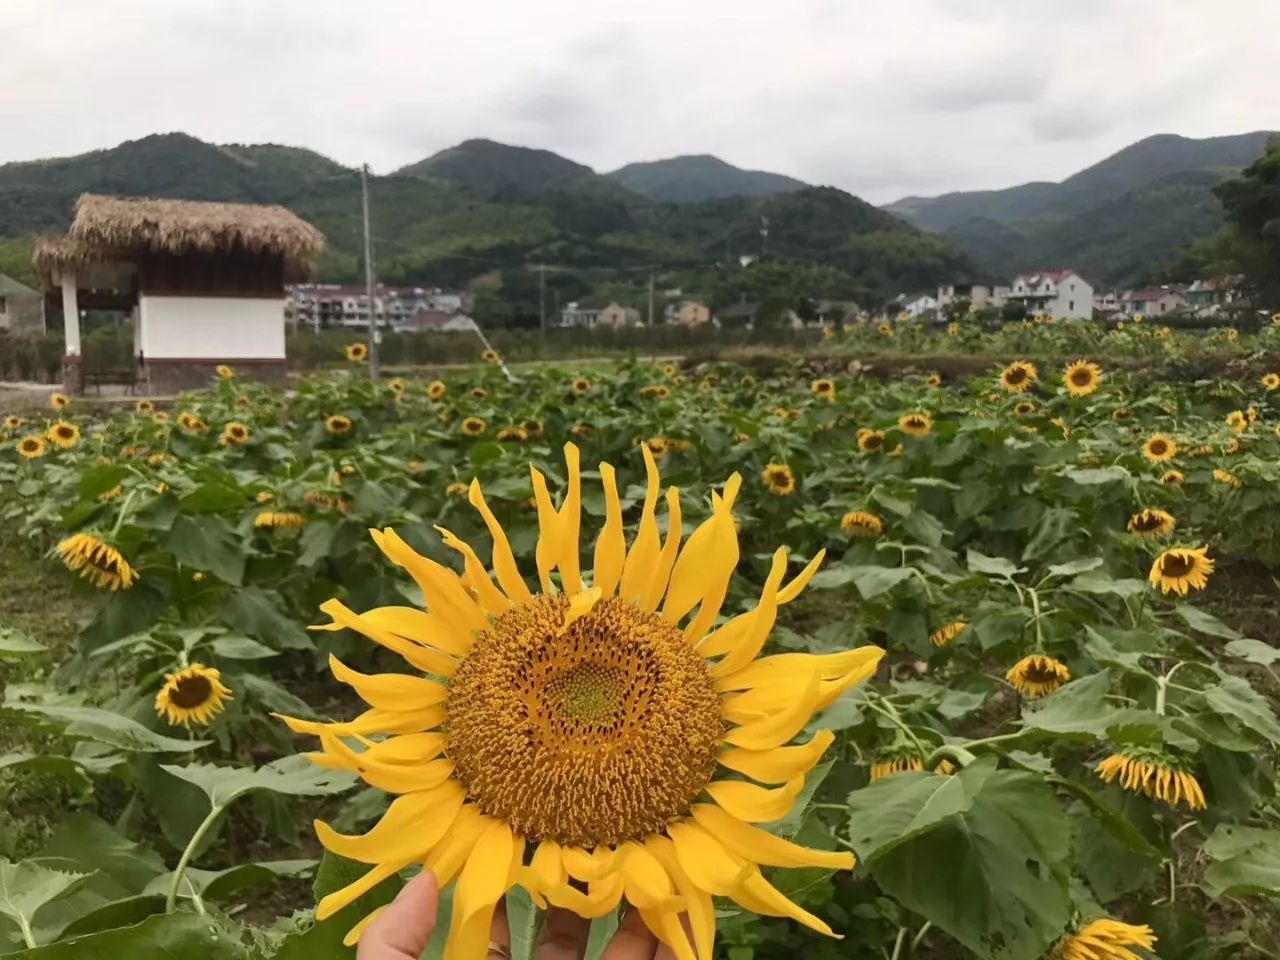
1061,294
917,305
1215,292
203,284
332,305
1152,302
436,321
584,314
980,295
616,315
687,313
21,308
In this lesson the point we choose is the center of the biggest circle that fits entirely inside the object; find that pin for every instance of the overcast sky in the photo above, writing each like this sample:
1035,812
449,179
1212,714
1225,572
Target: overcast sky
880,97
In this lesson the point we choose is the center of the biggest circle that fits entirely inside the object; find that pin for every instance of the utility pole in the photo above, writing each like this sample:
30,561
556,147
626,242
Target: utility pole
368,274
651,298
542,298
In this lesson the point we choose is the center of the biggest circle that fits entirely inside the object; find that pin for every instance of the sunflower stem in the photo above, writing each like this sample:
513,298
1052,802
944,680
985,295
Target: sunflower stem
892,716
1162,690
897,944
124,512
920,934
27,934
180,870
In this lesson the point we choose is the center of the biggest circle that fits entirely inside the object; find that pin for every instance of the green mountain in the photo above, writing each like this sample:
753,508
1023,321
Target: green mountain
1132,168
1114,222
689,179
485,214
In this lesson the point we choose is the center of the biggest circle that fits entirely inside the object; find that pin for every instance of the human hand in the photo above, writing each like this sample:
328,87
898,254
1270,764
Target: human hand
404,929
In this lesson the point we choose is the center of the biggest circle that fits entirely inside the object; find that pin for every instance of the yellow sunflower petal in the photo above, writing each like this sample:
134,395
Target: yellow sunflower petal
638,568
752,803
644,881
483,881
760,896
768,732
355,933
699,906
371,721
611,544
656,588
448,856
424,658
550,543
419,627
785,668
411,826
759,846
666,926
602,897
389,691
780,764
444,593
756,624
392,777
706,860
335,901
702,571
504,561
571,524
476,575
794,588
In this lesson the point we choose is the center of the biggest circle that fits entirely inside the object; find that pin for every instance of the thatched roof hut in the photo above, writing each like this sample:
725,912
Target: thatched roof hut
120,228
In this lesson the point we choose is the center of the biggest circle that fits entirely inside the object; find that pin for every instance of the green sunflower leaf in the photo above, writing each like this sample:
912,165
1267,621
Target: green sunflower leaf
26,886
14,644
1247,861
92,723
293,775
179,936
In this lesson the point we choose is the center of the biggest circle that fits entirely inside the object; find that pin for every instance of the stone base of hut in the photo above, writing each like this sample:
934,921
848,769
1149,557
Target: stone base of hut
162,377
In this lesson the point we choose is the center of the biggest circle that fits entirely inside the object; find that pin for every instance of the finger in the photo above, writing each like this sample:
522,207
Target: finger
499,933
563,936
633,941
403,929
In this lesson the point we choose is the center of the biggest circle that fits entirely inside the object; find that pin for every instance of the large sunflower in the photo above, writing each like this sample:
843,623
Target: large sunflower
64,434
1153,523
1037,675
1104,939
1159,448
195,693
1082,378
96,561
1019,376
870,441
567,740
1181,569
1173,478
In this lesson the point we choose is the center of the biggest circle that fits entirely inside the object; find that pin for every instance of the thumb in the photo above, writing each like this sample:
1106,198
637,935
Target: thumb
402,930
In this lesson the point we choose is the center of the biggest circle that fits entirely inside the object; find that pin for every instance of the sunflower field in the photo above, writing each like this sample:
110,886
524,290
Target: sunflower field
785,658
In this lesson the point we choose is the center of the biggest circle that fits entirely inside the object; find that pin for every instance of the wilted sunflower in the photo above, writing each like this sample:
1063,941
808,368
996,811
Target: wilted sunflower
1227,478
1181,569
823,389
739,438
659,390
279,520
1149,771
1159,448
1037,675
1024,408
144,406
436,389
234,433
160,416
31,447
194,693
901,758
455,489
944,635
1104,939
511,435
1238,421
870,441
581,386
915,424
96,561
779,479
1019,376
58,400
934,379
884,329
859,523
472,427
582,430
395,385
1082,378
224,372
106,496
569,739
658,446
746,381
338,425
1153,523
357,352
63,434
532,428
243,402
1121,414
489,356
1173,478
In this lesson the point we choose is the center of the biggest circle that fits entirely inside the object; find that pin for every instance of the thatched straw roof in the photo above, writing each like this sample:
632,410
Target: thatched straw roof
108,229
138,224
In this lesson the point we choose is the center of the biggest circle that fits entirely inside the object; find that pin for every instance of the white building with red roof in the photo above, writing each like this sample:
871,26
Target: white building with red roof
1061,294
1153,302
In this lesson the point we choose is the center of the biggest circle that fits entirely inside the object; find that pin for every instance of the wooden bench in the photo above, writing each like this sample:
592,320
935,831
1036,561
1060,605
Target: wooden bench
126,377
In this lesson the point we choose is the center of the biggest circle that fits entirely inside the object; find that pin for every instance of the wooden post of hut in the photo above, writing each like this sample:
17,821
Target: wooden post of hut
204,284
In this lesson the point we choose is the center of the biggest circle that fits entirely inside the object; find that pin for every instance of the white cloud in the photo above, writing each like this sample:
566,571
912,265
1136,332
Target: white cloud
880,97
